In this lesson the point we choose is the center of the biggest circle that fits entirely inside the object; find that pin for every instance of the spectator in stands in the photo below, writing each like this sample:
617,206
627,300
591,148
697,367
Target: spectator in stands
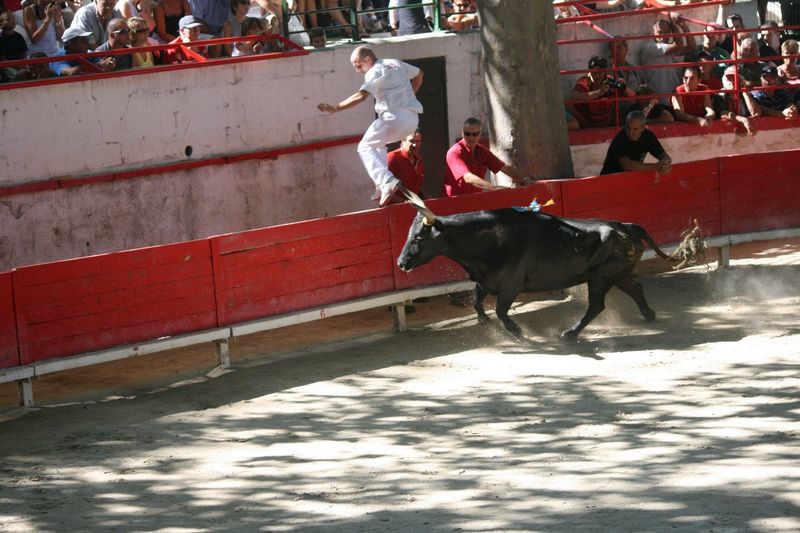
318,38
251,26
736,109
618,52
393,85
711,47
769,41
309,19
654,111
94,17
213,14
44,25
468,161
572,122
119,36
145,9
596,88
140,30
734,22
12,44
168,14
189,29
407,20
774,102
464,16
665,50
406,164
708,76
750,70
632,144
692,108
788,71
76,41
233,26
34,71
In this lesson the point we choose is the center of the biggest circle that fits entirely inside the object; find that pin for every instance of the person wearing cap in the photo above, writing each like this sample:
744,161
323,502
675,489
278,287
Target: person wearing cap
76,41
692,108
734,22
94,18
732,109
618,55
596,89
393,84
119,36
630,146
667,50
774,102
189,30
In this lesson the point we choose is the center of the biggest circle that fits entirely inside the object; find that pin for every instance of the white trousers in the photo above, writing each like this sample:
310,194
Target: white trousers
389,127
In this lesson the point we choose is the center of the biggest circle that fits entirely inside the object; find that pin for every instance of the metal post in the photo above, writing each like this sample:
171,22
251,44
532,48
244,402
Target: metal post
223,353
723,256
25,390
356,36
399,315
437,15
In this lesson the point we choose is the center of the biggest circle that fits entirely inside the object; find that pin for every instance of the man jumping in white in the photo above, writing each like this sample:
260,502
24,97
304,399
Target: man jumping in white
393,84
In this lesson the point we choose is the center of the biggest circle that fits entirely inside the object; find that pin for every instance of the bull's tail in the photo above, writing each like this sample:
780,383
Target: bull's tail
641,233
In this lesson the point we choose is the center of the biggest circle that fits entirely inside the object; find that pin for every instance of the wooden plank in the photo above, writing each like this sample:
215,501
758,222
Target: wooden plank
758,163
9,344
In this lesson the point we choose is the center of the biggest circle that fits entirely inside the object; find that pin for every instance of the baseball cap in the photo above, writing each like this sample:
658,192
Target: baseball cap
74,32
189,21
598,62
769,71
702,54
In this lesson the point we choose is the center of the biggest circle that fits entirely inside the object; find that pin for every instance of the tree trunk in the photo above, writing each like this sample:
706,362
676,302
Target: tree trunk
526,106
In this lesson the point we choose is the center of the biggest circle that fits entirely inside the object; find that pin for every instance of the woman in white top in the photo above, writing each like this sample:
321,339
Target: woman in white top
44,24
233,26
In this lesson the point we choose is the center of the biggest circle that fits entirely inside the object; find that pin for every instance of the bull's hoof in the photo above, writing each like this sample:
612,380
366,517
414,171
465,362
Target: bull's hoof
569,335
514,329
649,316
483,318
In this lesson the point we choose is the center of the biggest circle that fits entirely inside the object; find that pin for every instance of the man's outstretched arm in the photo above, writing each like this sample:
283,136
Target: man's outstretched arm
351,101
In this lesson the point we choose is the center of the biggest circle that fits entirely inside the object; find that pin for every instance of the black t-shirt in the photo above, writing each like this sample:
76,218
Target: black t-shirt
621,146
12,46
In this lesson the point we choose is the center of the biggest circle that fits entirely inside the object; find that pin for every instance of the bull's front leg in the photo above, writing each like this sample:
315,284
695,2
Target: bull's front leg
504,301
480,295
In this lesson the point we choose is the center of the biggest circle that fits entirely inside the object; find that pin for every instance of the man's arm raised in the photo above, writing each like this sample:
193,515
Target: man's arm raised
351,101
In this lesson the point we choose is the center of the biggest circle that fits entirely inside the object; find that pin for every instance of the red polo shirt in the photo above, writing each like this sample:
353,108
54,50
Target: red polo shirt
461,160
177,55
693,104
408,168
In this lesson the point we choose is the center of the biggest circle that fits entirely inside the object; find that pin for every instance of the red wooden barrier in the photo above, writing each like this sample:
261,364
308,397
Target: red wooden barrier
442,270
276,270
9,348
663,204
760,191
97,302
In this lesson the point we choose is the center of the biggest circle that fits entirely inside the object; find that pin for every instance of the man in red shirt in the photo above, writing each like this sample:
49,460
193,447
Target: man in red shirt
468,161
189,30
597,89
693,108
407,166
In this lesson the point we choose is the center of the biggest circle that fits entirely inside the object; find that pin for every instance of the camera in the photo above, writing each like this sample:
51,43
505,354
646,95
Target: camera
614,84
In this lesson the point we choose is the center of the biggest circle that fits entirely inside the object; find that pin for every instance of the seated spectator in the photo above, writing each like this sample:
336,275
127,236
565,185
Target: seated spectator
596,88
708,76
12,44
663,50
692,108
750,70
189,30
44,24
769,42
711,46
251,26
467,163
306,12
736,109
119,36
318,38
618,52
654,111
407,20
734,22
139,30
233,26
464,16
788,71
145,9
34,71
631,145
407,166
76,41
167,14
774,102
94,18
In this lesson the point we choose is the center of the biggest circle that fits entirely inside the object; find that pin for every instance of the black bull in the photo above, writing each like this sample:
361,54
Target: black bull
508,252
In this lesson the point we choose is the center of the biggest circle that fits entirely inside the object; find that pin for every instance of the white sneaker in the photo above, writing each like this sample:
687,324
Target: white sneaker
376,195
387,193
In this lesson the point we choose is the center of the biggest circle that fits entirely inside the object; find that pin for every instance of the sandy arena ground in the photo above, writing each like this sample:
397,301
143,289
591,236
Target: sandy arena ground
691,423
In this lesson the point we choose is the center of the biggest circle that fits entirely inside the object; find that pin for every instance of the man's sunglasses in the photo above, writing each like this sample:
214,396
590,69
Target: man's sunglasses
471,133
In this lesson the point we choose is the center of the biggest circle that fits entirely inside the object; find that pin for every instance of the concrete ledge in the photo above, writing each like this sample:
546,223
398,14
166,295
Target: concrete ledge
17,373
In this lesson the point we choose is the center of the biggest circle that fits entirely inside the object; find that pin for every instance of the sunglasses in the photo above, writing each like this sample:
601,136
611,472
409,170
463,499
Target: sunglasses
119,32
471,133
140,30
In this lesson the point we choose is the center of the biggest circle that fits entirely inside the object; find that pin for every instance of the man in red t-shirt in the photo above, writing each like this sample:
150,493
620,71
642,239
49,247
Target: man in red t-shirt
596,89
693,108
407,166
468,161
189,30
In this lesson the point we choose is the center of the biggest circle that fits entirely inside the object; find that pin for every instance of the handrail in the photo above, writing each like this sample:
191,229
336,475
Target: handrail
616,14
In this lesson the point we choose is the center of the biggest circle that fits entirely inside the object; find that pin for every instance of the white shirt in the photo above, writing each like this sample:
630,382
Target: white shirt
389,82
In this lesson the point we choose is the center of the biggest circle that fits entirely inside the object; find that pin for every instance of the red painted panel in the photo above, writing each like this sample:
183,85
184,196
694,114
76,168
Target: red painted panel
98,302
442,270
9,348
662,204
760,191
303,265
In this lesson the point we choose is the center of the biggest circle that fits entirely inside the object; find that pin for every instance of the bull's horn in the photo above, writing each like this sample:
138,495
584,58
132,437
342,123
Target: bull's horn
428,218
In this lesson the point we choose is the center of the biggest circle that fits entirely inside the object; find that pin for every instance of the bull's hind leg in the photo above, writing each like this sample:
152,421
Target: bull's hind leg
633,288
597,302
480,295
504,301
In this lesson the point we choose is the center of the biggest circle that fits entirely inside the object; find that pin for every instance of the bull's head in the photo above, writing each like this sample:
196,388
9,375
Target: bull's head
424,237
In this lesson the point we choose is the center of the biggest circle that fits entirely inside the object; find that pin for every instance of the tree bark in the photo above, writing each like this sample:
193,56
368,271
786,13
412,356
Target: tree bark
526,106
